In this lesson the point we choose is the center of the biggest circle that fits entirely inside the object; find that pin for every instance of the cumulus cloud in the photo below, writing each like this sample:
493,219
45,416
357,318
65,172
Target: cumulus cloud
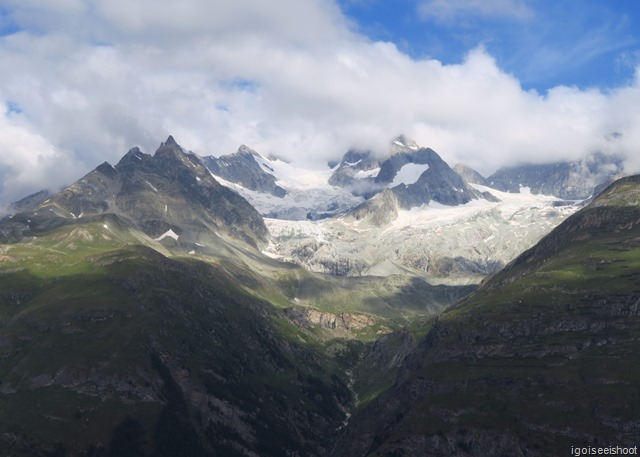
289,77
27,159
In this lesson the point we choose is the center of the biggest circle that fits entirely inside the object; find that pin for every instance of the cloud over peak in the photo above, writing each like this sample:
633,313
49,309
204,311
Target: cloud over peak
288,77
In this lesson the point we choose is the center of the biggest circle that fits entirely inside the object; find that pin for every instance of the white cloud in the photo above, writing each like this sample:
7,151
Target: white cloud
448,10
288,77
302,23
26,158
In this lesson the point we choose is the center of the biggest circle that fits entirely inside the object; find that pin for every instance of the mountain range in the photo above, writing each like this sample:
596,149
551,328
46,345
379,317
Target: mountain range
169,191
369,214
173,304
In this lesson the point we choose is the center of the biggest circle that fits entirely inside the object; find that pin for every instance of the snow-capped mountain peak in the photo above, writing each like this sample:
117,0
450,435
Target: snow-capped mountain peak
285,190
246,168
280,189
416,175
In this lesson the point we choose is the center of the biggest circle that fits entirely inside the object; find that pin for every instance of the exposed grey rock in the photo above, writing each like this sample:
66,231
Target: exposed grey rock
247,168
280,190
30,202
353,164
470,175
380,210
439,183
567,180
309,317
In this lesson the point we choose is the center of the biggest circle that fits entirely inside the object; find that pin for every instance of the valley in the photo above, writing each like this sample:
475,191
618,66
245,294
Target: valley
154,308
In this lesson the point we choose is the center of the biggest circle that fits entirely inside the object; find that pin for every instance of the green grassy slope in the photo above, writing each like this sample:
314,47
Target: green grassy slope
103,341
114,344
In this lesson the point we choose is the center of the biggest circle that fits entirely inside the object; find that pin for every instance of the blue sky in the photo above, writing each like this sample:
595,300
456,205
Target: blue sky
543,43
489,83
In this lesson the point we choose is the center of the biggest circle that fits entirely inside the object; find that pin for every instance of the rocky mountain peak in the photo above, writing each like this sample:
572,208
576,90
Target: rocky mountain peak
246,150
169,148
170,142
438,183
246,168
171,190
401,142
416,175
469,174
133,156
106,169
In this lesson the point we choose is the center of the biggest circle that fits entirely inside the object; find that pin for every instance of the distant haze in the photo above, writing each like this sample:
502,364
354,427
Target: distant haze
83,82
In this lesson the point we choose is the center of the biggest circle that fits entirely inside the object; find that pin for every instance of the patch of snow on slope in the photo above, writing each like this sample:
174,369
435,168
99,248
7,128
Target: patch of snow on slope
362,174
308,193
409,174
170,233
265,164
445,244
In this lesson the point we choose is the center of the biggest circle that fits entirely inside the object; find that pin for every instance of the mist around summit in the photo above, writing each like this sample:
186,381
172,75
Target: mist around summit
87,83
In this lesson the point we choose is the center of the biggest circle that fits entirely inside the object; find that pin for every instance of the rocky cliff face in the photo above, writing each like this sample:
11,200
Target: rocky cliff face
309,317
